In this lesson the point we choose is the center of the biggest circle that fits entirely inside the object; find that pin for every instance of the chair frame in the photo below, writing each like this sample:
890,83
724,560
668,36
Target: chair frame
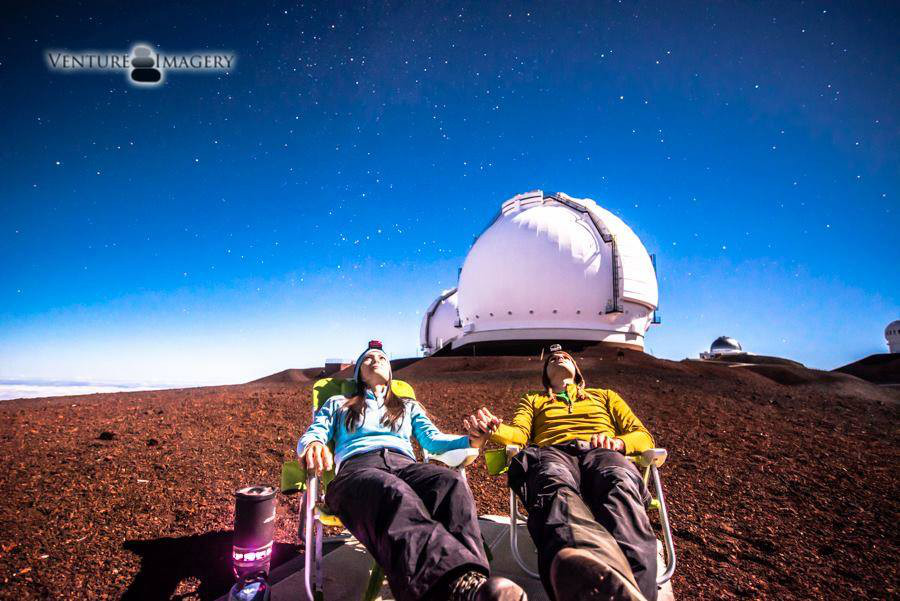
650,461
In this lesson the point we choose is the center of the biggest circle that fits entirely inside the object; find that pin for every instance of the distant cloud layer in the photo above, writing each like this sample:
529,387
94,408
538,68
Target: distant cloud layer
19,389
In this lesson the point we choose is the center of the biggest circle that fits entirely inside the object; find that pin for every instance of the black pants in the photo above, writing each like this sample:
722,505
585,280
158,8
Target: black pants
418,520
578,497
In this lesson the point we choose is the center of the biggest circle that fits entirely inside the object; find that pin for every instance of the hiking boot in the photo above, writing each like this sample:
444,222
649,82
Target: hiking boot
475,586
578,575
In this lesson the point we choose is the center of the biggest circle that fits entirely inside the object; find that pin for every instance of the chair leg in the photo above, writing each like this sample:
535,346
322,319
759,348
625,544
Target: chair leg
666,528
320,535
308,543
376,579
487,550
301,519
514,535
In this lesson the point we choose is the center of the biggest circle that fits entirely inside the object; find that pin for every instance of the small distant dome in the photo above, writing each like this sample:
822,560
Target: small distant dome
723,345
892,335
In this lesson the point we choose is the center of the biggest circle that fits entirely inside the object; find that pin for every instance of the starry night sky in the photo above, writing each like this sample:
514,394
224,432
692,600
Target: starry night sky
225,226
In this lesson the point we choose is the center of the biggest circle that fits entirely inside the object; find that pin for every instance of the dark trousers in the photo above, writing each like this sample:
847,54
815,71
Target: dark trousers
579,497
418,520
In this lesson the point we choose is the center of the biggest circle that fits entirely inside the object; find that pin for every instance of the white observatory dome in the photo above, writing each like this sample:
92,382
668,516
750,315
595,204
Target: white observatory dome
892,335
440,326
552,267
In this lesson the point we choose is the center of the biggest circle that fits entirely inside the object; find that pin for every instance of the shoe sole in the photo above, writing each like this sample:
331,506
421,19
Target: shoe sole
510,595
496,590
585,579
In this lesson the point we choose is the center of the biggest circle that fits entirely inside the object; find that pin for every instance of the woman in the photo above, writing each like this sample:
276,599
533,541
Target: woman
417,520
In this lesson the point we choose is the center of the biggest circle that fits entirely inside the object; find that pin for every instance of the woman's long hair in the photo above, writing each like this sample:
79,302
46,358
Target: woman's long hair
395,407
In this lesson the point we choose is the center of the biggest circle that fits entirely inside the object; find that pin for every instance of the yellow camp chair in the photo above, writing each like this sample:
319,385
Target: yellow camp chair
315,515
650,461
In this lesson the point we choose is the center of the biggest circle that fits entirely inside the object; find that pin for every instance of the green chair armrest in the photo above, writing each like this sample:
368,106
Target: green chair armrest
293,477
649,457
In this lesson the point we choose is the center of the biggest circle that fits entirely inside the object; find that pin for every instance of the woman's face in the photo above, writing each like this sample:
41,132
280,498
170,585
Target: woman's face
560,366
375,370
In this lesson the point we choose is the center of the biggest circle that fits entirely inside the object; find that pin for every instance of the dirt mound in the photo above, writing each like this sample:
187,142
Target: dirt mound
398,364
291,376
445,365
883,368
515,364
755,359
780,480
825,382
794,376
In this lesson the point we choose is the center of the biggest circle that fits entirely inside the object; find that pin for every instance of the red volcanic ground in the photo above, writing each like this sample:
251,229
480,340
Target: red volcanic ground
781,480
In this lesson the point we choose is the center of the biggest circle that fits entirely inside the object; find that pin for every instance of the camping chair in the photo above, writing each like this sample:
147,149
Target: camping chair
315,515
649,461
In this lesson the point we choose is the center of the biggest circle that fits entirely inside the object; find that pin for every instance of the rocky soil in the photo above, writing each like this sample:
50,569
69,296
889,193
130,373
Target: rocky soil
780,482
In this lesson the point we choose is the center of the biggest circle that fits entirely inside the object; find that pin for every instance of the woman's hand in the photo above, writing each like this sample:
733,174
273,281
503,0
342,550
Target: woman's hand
479,426
317,457
605,442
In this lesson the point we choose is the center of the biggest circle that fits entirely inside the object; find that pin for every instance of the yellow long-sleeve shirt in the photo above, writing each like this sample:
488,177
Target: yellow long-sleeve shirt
544,422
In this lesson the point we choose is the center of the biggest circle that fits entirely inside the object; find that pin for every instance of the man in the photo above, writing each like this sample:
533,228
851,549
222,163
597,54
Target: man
586,501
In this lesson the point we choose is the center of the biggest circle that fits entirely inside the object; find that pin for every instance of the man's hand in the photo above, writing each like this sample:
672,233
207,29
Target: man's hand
480,425
605,442
317,457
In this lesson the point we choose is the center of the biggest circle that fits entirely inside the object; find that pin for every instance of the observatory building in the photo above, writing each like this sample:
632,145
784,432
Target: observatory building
723,345
892,335
549,268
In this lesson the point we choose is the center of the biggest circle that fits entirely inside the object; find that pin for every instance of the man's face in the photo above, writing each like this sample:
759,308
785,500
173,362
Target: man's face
375,369
560,366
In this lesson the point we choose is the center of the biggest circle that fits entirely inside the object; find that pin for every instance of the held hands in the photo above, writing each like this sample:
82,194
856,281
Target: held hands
318,458
605,442
480,425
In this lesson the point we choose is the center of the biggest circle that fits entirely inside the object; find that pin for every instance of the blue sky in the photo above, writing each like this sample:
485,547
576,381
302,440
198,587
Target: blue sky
225,226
